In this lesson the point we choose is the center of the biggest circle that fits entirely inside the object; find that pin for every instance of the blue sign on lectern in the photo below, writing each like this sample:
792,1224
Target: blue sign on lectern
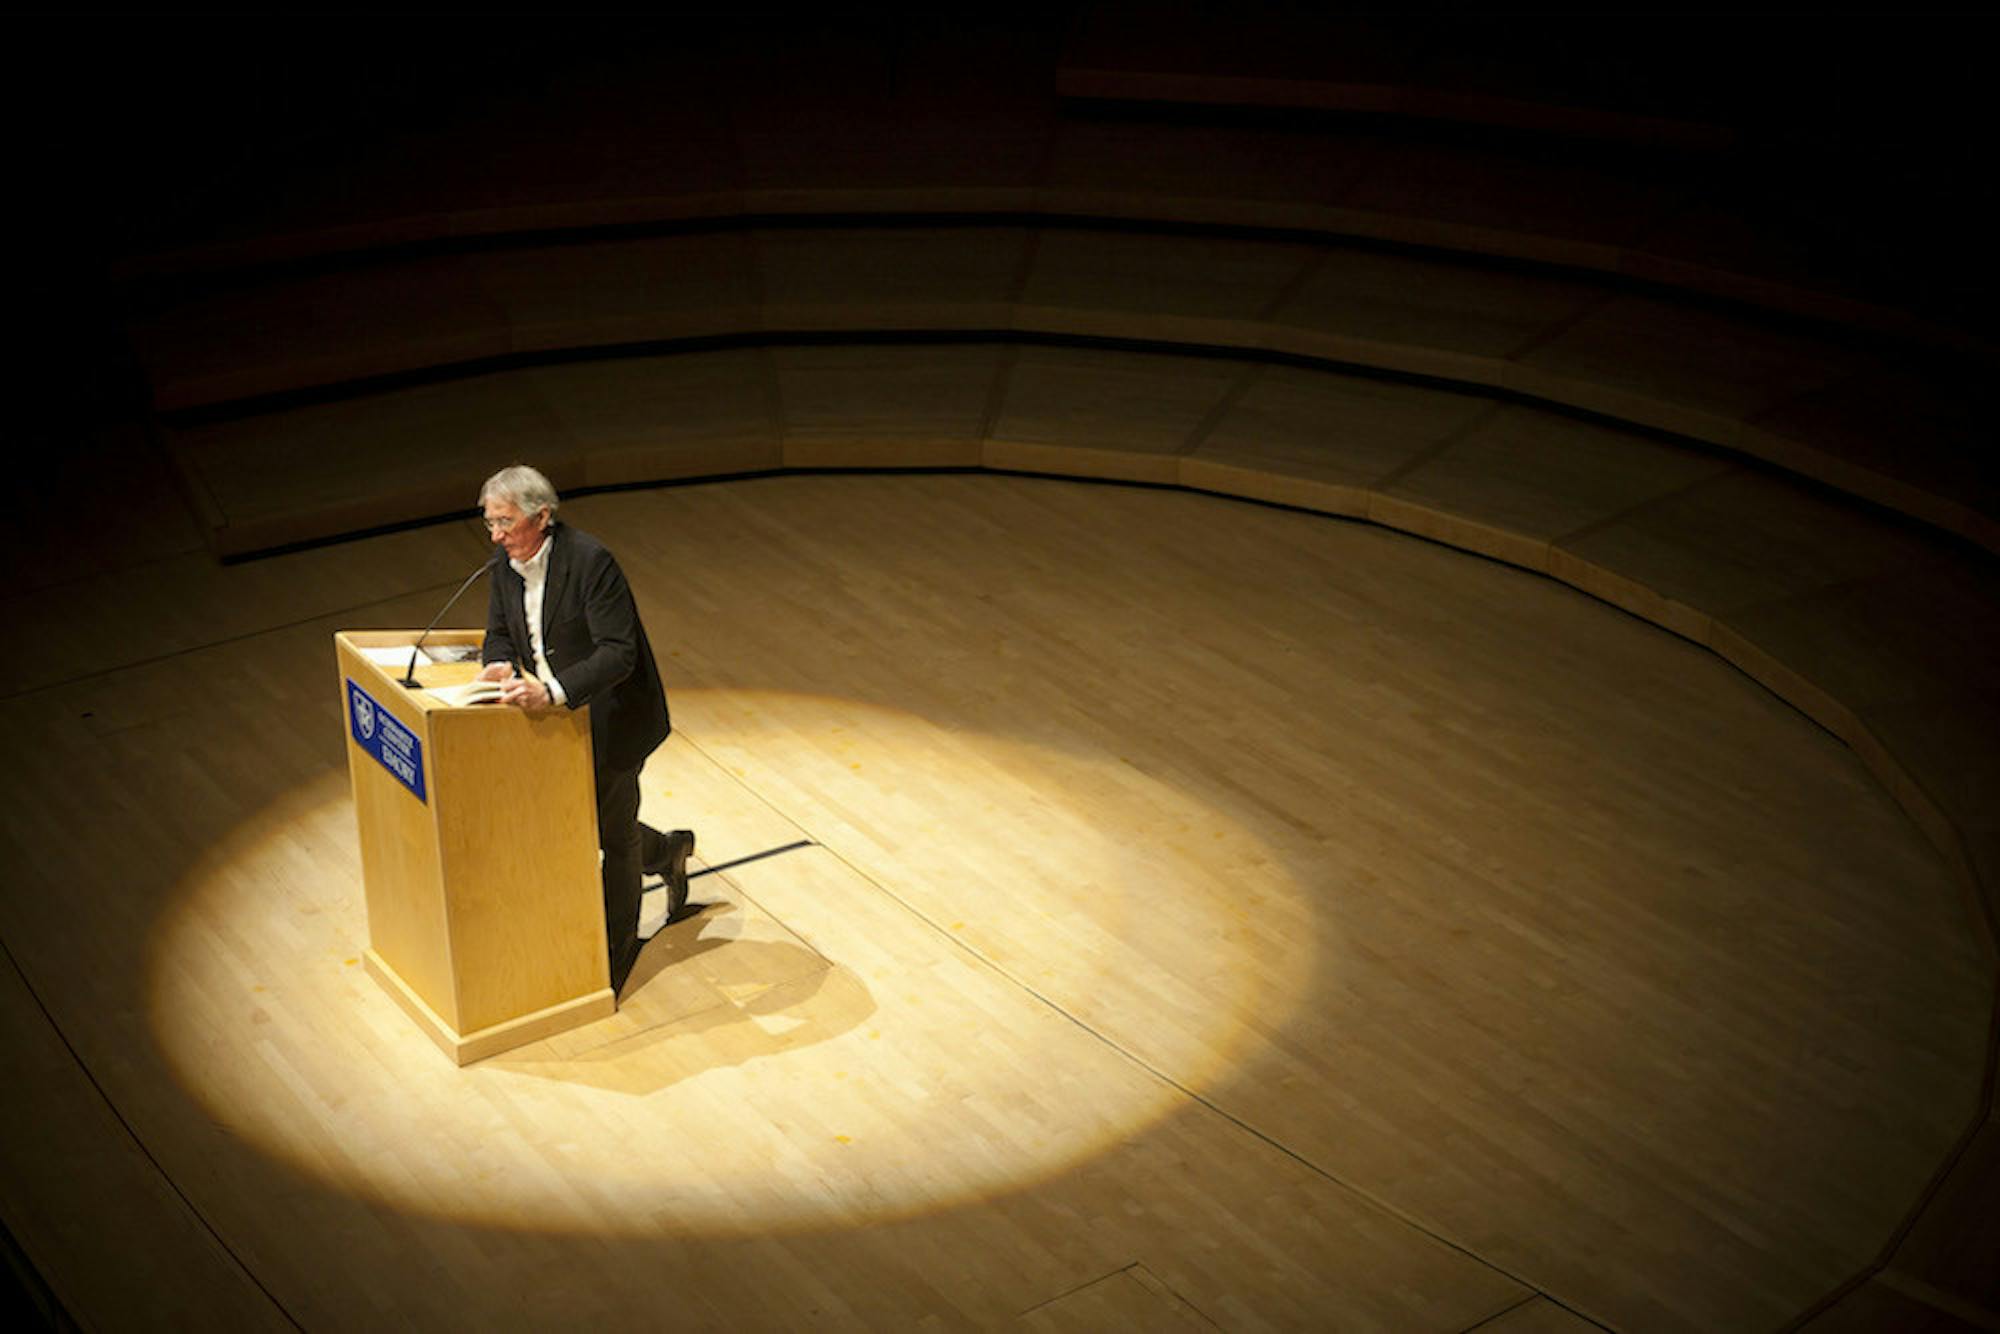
394,746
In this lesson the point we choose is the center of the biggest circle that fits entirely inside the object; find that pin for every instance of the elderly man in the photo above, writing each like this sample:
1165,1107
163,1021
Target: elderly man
561,609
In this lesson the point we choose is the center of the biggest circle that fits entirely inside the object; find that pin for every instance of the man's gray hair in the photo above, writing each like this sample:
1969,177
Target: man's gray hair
522,487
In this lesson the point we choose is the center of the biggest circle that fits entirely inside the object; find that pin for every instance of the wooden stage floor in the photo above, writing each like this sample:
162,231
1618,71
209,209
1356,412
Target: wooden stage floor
1191,914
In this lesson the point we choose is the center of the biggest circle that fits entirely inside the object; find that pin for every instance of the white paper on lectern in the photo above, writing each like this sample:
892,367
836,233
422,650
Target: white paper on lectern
394,656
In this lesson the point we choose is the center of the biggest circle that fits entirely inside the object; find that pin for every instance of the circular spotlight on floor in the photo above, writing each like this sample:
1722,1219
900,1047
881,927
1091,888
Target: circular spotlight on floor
992,961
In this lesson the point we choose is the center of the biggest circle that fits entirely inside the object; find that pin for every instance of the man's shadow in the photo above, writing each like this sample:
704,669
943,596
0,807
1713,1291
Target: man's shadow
714,987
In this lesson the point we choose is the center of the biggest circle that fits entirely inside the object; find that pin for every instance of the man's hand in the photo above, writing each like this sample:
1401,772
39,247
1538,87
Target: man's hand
526,692
522,692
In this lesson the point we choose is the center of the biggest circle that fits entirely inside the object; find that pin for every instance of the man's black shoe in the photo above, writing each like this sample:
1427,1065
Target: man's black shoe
673,869
674,844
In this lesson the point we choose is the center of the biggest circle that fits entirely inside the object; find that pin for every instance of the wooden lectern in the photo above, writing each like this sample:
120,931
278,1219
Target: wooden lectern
479,854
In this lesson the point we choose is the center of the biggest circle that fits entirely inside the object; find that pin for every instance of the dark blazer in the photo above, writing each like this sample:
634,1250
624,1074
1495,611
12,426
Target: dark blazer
595,644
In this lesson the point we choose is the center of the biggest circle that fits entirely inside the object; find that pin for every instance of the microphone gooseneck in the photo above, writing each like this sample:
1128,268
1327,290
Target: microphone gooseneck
410,673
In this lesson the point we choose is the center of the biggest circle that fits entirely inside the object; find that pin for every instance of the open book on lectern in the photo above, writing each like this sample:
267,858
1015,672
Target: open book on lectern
467,692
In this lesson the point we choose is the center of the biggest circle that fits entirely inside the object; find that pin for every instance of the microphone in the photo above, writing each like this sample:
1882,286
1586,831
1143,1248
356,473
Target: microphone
410,676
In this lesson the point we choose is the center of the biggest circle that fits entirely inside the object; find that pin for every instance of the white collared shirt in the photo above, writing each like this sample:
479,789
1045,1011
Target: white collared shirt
534,572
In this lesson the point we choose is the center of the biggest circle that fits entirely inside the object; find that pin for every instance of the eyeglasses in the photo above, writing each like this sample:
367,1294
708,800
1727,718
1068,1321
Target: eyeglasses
502,525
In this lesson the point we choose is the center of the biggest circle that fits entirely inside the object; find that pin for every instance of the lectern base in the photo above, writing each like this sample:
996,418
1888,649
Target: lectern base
465,1048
